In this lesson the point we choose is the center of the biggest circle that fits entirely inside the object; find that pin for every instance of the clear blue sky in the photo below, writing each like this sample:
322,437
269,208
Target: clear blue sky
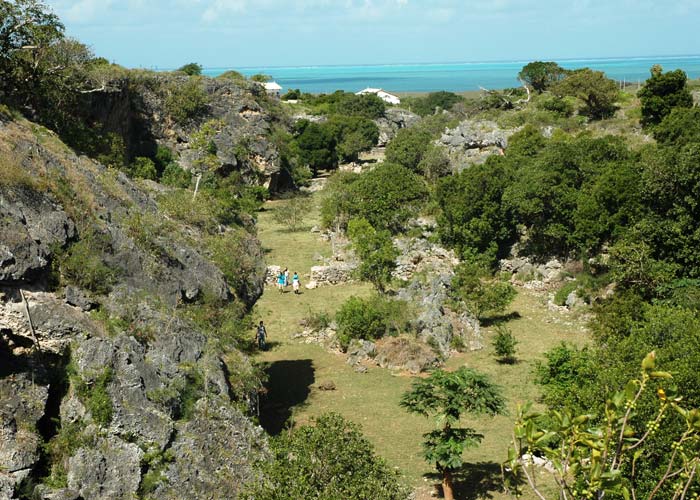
239,33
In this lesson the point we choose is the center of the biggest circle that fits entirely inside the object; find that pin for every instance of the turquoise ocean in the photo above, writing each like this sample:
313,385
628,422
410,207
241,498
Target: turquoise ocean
453,76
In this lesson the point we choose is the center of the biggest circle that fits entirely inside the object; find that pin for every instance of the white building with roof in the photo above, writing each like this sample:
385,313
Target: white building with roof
272,88
382,94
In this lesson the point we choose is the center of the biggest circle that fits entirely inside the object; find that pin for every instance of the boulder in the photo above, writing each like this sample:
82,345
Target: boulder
30,225
111,468
394,119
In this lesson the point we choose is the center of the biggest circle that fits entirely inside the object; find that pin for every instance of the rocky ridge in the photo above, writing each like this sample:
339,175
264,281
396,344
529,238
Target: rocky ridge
134,399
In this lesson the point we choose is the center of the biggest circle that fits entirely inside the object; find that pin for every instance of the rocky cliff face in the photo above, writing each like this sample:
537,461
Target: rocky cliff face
137,110
109,387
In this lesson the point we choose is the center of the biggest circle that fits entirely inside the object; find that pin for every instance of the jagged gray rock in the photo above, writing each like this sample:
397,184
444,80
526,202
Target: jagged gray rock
220,445
110,469
30,223
473,141
394,119
22,404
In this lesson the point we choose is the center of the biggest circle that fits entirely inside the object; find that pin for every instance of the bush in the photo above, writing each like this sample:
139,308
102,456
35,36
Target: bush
387,196
662,93
563,293
83,264
408,147
186,101
175,176
95,396
435,101
292,213
504,344
479,294
360,319
191,69
376,251
328,460
143,168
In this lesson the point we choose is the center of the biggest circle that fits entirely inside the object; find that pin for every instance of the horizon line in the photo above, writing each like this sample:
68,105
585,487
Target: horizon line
433,63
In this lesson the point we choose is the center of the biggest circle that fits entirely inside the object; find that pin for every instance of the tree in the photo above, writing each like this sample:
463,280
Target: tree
598,92
261,78
376,251
592,457
663,92
352,135
368,106
541,75
316,146
360,319
434,101
386,196
680,126
504,344
330,459
292,213
191,69
446,396
478,294
408,147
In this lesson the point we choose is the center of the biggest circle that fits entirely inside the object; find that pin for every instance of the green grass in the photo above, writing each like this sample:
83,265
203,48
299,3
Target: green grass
372,399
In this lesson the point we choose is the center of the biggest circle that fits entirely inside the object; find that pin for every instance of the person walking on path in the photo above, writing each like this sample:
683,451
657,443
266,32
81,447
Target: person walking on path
260,336
286,277
281,281
295,283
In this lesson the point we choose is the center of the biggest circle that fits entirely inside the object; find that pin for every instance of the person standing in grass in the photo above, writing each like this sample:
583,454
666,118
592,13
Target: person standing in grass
260,336
295,283
286,277
281,281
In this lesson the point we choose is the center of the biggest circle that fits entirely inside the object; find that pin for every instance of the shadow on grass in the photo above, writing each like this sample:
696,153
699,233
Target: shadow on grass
288,385
473,481
500,319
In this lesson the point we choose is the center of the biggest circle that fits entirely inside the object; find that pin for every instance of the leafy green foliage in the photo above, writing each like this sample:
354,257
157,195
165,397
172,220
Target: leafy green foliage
143,168
83,264
680,126
175,176
231,75
446,396
663,92
95,396
292,213
598,93
504,344
360,319
329,460
346,104
292,95
376,252
191,69
591,457
408,147
317,146
541,75
186,101
434,101
386,196
478,294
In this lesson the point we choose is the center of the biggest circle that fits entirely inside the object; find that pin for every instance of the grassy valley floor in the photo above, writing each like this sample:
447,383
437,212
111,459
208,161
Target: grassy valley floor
372,399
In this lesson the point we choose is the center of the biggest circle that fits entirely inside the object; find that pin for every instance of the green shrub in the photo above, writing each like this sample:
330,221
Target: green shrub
82,264
330,459
317,320
231,75
186,101
563,293
292,213
175,176
191,69
360,319
387,196
408,147
143,168
95,397
504,344
475,291
376,251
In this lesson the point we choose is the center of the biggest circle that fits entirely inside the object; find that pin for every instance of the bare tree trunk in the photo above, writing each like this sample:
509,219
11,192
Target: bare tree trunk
447,490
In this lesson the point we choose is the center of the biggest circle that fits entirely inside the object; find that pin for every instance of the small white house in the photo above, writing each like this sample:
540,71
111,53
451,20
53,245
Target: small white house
273,89
382,94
